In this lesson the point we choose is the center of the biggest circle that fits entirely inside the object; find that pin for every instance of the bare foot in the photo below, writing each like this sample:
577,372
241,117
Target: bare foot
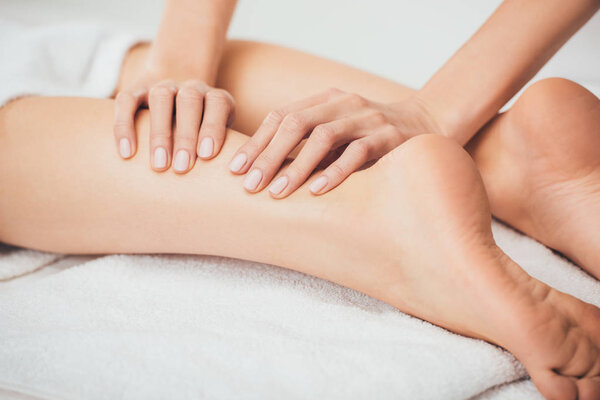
540,162
432,254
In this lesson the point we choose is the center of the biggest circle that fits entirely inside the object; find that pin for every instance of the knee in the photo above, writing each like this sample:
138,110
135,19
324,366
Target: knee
552,104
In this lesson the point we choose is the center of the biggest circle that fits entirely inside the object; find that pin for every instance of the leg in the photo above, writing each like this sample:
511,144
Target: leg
262,77
551,116
541,166
420,240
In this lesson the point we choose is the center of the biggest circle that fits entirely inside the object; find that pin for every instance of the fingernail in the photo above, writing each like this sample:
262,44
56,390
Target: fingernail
238,162
279,184
125,148
252,179
160,158
206,148
318,184
182,161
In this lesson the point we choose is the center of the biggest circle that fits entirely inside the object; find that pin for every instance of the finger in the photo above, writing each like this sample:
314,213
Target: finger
126,105
290,133
588,388
245,156
189,106
554,386
357,154
322,140
218,110
160,102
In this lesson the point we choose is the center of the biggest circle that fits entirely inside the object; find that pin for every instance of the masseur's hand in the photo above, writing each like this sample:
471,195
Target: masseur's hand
201,114
329,120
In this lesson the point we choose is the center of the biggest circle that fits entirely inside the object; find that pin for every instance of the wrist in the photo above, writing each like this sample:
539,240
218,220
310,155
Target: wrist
453,122
177,63
178,69
416,117
166,70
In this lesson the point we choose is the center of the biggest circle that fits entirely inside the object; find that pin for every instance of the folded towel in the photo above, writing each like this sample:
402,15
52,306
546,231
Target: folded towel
15,261
193,326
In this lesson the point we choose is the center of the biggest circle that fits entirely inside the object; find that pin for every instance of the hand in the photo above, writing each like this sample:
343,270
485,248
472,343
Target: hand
201,118
330,120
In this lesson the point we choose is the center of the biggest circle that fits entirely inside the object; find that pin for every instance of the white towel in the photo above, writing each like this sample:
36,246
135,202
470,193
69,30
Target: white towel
15,261
187,327
68,59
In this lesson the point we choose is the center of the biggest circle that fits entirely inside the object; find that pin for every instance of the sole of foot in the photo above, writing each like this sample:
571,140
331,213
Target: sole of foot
540,162
426,237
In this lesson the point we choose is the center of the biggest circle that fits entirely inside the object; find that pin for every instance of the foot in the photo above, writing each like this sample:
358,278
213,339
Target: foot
425,233
540,162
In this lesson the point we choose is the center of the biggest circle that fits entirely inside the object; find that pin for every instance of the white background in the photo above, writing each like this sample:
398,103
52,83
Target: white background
404,40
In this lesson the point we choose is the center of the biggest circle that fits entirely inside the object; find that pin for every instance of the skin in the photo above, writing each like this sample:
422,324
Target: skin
467,91
537,178
420,224
344,130
423,244
179,74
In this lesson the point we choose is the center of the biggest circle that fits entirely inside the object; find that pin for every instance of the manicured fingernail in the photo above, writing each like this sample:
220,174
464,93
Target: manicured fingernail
252,179
238,162
125,148
206,148
160,158
318,184
182,161
279,184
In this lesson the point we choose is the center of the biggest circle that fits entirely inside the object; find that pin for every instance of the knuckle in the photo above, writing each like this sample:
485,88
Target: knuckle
357,100
251,148
275,117
294,172
185,141
323,134
217,96
210,126
161,92
336,171
359,149
160,134
122,127
332,92
393,130
378,117
125,97
213,129
266,159
293,122
190,94
194,83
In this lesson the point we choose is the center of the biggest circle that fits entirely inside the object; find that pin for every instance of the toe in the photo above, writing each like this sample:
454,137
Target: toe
553,386
588,388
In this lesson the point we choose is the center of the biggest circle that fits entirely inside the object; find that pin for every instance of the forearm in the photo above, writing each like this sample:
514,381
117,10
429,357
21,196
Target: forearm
191,38
507,51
